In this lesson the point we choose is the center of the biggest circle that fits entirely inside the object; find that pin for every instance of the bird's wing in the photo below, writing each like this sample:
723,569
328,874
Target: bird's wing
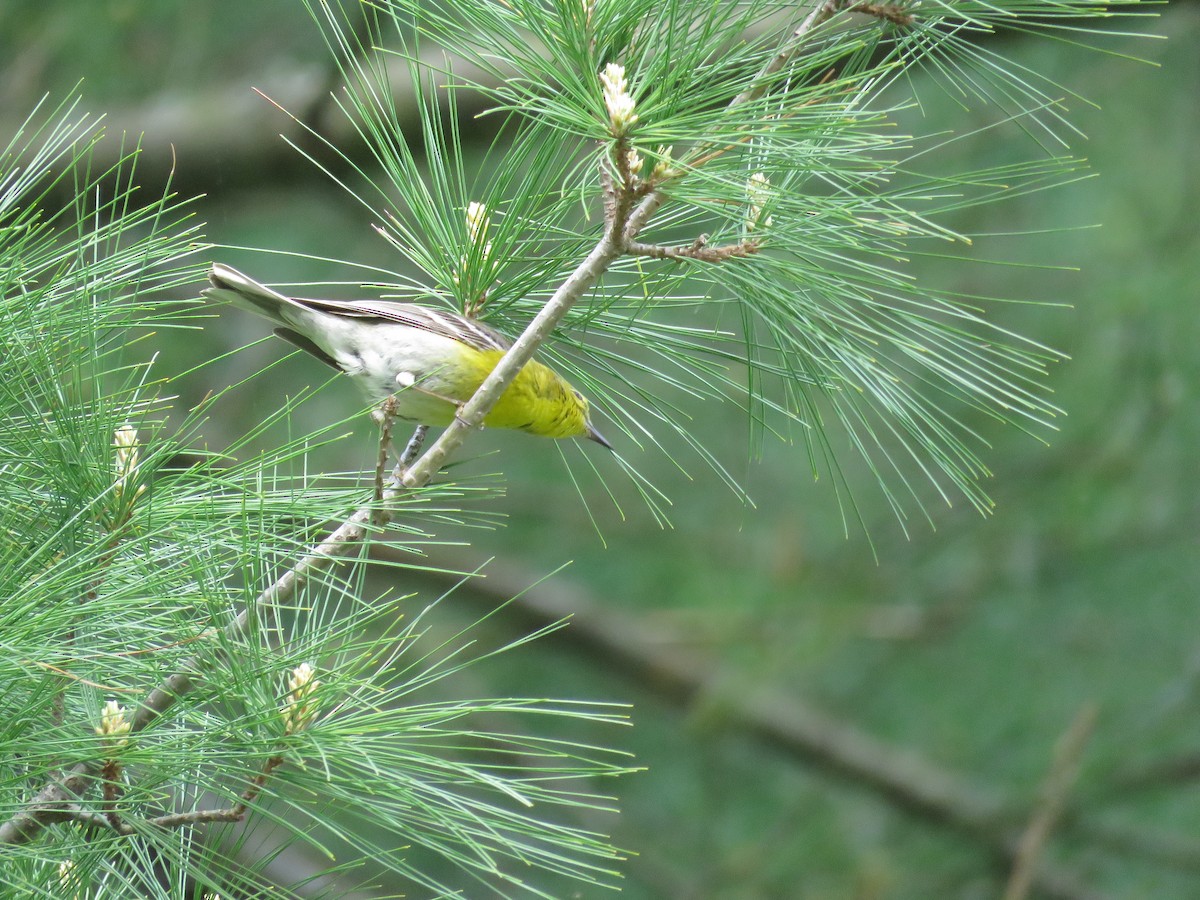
447,324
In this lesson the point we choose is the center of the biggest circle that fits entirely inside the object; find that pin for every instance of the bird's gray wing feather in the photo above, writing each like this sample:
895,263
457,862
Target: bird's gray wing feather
296,339
447,324
230,284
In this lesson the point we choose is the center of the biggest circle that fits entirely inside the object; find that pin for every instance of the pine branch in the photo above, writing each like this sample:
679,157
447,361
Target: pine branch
234,813
629,204
471,415
698,250
1031,846
623,223
793,46
889,12
55,800
109,819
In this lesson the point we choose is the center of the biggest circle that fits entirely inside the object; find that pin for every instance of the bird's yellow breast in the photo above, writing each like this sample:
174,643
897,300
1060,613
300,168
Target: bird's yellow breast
539,401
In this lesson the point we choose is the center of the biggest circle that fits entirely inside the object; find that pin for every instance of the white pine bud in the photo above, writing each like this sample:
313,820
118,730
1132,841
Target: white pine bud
125,462
68,879
662,168
114,726
758,192
617,99
299,707
477,220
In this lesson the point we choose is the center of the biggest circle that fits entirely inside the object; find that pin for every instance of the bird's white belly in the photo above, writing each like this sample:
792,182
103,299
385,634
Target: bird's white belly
411,363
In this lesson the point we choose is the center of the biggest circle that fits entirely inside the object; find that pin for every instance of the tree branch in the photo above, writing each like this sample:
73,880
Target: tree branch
52,803
889,12
110,820
233,813
472,413
697,250
623,222
818,16
1062,775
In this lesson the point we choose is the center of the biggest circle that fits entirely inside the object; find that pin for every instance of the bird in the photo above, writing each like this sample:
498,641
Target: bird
432,361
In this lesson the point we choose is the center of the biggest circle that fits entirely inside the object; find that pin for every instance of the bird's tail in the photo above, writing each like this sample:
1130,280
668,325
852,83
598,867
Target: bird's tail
243,291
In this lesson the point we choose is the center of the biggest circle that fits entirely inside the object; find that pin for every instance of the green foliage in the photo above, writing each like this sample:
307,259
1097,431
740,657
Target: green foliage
771,126
824,327
127,555
972,646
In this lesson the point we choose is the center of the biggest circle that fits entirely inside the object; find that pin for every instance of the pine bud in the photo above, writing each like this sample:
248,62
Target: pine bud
113,725
758,191
617,99
125,463
299,707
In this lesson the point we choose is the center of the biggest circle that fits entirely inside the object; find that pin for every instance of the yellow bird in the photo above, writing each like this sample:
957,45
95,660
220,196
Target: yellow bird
431,360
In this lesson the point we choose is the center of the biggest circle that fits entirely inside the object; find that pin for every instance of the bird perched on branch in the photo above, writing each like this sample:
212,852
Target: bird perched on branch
431,360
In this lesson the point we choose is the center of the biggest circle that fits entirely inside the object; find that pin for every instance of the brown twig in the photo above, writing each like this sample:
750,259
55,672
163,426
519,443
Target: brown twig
109,817
1063,772
96,820
697,250
385,415
233,813
111,792
889,12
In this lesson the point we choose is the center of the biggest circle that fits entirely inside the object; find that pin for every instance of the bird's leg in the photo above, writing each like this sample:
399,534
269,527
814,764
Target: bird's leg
408,382
414,447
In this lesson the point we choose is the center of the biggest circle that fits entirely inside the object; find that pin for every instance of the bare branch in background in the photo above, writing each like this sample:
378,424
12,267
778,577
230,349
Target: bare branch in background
655,659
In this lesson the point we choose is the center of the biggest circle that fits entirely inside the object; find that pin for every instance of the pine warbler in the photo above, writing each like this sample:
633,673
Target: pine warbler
431,360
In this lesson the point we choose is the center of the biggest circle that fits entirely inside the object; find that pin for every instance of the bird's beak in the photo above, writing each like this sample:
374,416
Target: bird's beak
594,435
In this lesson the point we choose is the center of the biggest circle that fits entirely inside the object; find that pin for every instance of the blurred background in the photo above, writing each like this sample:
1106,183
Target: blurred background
822,712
